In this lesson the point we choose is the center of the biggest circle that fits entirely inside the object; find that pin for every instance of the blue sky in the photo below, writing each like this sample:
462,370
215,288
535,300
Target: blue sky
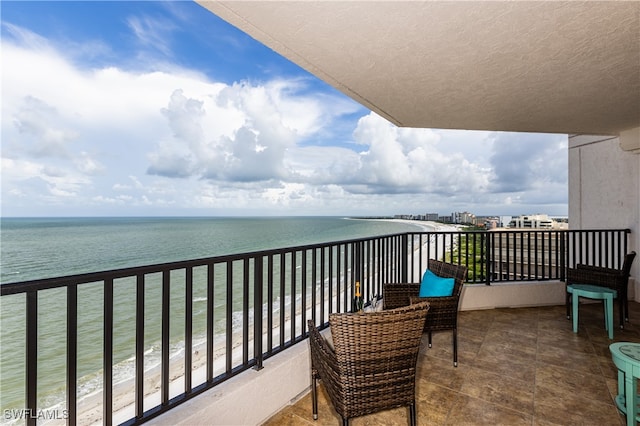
162,109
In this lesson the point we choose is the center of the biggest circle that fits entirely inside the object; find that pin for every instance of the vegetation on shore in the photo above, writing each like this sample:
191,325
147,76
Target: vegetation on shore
469,251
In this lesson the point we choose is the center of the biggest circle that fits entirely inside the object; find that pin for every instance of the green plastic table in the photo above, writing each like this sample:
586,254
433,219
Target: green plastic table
593,292
626,357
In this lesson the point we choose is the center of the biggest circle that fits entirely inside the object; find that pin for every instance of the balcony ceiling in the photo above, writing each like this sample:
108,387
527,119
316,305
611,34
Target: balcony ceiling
552,66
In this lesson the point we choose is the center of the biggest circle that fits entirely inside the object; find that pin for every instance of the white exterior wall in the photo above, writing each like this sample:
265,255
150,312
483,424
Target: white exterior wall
604,190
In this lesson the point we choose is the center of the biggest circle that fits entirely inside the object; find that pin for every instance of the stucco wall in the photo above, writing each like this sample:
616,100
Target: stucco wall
604,190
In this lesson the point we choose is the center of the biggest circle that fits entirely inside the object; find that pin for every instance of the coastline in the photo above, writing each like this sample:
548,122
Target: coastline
427,225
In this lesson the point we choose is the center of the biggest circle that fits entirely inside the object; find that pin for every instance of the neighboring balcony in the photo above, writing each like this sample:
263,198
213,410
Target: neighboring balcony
244,354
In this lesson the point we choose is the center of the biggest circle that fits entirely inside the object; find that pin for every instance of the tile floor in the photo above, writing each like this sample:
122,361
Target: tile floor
520,366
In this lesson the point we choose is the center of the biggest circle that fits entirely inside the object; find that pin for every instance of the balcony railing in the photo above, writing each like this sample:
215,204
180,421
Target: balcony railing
255,304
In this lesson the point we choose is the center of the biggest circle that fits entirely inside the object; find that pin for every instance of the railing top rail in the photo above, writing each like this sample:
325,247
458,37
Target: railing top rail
50,283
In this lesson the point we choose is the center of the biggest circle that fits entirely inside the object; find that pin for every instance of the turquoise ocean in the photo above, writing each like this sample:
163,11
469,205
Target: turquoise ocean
36,248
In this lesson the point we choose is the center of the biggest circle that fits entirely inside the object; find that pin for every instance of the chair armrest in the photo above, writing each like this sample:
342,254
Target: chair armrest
397,295
437,302
323,356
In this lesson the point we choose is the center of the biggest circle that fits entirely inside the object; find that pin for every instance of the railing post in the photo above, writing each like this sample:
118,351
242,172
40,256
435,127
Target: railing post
257,311
488,253
404,257
72,353
32,357
210,320
564,256
355,267
107,386
357,261
165,321
188,331
139,387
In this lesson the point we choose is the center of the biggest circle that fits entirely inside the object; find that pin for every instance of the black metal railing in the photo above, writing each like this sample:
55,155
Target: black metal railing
518,255
256,304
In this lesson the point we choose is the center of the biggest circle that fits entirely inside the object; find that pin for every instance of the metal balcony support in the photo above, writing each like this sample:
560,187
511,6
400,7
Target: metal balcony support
31,385
72,353
107,393
258,277
166,300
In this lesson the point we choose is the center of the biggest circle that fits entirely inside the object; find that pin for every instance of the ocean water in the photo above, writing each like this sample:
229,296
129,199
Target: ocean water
34,248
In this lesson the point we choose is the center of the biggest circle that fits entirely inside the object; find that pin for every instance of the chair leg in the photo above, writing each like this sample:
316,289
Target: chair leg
412,414
568,304
345,422
455,347
622,311
626,306
314,395
429,338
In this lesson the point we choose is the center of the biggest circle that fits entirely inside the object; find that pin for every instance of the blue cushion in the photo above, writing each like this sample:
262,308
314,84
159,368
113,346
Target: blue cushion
435,286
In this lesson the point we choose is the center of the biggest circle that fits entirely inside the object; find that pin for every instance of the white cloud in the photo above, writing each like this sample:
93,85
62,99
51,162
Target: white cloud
409,161
91,138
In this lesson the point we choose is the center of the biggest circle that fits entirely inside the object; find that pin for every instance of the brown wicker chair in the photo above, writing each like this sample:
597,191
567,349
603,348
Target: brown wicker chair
616,279
371,365
443,311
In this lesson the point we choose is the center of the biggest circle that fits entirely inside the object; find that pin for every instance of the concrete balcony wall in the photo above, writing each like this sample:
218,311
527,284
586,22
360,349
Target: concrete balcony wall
251,397
604,190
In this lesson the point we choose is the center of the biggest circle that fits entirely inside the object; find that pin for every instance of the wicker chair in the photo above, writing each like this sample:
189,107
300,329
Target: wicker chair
616,279
443,311
371,365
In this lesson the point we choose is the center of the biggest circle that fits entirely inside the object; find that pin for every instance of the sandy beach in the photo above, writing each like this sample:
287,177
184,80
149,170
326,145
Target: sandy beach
90,407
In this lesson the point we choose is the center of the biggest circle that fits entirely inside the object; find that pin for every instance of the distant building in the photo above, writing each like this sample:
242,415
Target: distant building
445,219
431,216
464,218
488,222
535,221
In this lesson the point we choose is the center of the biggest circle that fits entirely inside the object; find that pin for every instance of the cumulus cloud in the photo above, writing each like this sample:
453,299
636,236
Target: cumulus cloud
41,133
410,161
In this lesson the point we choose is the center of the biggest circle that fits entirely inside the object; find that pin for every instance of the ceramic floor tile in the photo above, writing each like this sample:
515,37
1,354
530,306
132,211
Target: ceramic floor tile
517,369
553,382
572,410
564,339
499,389
508,336
579,361
504,348
473,411
434,403
443,373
